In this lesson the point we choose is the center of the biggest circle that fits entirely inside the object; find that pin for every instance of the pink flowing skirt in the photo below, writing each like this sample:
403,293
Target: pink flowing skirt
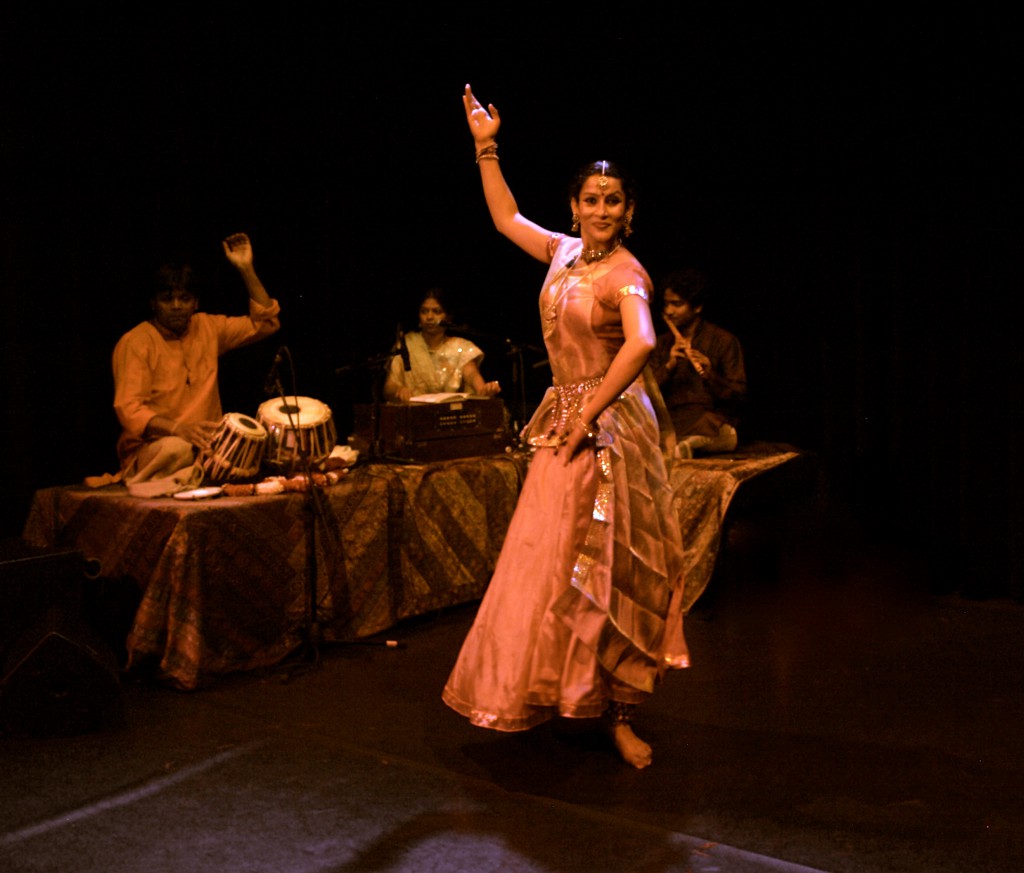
585,603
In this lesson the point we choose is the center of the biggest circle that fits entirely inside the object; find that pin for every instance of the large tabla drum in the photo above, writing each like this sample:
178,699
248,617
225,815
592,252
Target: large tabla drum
296,426
236,449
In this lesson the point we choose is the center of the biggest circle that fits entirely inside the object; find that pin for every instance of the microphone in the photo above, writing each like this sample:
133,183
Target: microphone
403,349
270,384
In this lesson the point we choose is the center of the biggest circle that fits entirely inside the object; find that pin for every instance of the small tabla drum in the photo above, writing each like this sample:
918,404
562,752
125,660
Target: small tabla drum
296,427
236,449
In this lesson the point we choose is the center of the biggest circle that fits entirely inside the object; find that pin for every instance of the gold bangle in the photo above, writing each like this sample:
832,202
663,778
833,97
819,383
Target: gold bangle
591,430
488,156
487,151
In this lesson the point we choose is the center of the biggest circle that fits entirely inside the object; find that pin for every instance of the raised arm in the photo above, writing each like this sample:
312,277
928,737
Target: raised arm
238,250
483,125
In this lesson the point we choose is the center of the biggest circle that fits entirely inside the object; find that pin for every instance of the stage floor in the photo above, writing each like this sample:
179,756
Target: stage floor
884,739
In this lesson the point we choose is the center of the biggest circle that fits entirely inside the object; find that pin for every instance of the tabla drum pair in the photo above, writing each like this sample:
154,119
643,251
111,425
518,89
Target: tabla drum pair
296,426
284,429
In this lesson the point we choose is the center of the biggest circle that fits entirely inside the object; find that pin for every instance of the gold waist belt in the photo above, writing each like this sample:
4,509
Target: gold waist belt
568,400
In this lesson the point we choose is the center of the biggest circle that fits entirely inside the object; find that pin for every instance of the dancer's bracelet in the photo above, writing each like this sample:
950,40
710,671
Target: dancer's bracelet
488,151
590,429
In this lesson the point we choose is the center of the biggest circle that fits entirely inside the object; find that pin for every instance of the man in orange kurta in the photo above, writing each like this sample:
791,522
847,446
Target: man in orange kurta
166,394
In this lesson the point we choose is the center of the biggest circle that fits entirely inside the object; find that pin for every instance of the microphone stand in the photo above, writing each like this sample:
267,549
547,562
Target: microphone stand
515,352
308,656
379,365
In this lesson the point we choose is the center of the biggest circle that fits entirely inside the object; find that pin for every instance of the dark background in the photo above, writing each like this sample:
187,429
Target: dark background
850,181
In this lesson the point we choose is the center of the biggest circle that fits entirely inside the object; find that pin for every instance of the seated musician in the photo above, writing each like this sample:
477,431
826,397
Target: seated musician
433,362
166,393
699,367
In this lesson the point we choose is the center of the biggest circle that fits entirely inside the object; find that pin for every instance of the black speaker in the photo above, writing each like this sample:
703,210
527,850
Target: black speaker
59,679
33,580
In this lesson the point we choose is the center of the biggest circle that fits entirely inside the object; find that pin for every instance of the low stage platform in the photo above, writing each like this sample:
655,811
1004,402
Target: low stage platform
224,583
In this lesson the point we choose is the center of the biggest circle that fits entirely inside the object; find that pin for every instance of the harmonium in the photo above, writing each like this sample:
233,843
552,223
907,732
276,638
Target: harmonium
463,427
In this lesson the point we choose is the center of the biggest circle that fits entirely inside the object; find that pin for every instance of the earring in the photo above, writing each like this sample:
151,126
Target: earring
627,225
575,222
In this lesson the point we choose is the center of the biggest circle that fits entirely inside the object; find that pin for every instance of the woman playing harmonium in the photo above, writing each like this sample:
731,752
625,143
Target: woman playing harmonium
429,361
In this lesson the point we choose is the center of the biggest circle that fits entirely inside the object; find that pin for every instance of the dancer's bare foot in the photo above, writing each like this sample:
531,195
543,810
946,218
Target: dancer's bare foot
634,751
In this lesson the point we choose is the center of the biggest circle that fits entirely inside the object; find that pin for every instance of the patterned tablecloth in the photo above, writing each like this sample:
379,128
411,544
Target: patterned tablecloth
225,582
702,489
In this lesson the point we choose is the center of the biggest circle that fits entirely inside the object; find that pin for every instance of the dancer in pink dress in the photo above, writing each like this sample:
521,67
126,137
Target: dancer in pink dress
582,615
